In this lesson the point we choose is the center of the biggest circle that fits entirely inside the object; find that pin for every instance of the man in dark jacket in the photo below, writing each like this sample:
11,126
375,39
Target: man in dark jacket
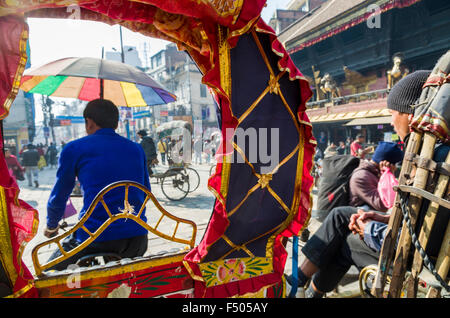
148,145
30,159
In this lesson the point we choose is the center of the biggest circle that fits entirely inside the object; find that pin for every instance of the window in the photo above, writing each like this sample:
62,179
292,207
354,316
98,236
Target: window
157,60
203,90
205,112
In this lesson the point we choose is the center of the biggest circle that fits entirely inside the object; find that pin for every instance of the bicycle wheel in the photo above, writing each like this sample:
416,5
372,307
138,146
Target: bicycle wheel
212,170
194,178
175,186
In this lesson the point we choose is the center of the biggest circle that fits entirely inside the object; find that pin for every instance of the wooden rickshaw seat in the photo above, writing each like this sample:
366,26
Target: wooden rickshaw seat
128,212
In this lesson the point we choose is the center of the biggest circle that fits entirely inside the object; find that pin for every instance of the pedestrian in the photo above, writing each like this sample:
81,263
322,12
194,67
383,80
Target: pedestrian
331,150
52,154
322,141
162,148
148,145
357,149
207,150
97,160
21,152
42,162
341,148
351,236
30,159
198,150
363,183
14,167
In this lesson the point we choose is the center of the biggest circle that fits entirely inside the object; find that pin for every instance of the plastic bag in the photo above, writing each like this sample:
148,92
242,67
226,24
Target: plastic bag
70,209
385,188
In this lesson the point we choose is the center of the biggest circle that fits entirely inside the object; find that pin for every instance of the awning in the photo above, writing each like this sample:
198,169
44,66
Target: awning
369,121
337,117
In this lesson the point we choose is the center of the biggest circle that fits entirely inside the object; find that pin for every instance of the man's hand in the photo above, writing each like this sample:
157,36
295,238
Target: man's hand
353,224
368,150
49,233
359,221
387,165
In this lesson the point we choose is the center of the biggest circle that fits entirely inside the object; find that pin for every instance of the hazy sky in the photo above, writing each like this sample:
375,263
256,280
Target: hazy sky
52,39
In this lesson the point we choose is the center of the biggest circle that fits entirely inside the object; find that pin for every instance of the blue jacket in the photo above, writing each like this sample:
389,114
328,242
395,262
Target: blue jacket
98,160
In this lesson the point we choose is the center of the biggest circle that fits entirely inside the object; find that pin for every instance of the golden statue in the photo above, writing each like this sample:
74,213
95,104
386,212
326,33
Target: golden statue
397,72
317,79
329,86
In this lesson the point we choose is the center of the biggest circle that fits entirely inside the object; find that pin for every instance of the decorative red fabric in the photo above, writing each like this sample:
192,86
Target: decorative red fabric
193,25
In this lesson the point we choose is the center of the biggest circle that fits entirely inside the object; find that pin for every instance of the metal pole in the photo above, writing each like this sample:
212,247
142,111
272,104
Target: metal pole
122,56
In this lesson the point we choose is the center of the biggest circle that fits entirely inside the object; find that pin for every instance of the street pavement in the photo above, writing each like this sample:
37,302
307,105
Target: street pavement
196,206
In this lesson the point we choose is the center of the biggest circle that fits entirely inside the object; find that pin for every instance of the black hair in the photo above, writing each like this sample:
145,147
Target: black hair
142,132
103,112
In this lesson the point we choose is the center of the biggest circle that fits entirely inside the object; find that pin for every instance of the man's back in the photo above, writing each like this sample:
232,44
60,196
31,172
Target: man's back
364,187
148,145
30,158
99,160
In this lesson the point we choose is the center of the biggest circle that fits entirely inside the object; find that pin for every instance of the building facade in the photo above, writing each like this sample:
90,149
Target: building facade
176,71
349,51
19,127
294,11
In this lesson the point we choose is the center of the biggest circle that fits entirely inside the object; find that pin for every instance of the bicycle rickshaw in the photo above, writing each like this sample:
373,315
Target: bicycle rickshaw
256,86
179,179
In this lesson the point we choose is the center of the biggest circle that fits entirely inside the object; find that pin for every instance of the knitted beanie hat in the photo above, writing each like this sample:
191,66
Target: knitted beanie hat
407,91
388,151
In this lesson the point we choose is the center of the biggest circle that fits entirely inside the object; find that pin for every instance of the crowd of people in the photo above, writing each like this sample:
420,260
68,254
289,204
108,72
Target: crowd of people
34,158
169,147
30,160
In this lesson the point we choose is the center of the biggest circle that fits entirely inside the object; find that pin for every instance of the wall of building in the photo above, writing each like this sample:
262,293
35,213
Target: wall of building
420,32
178,73
15,126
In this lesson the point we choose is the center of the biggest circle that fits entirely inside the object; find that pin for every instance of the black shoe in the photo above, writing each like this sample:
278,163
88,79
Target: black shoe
304,236
36,184
288,279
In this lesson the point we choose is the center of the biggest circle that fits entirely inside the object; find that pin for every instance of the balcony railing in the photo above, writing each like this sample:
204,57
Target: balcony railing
354,98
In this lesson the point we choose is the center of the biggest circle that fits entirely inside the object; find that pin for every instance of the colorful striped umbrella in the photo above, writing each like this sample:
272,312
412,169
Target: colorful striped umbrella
89,78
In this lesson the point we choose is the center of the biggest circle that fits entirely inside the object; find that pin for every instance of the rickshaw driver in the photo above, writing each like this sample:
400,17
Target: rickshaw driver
99,159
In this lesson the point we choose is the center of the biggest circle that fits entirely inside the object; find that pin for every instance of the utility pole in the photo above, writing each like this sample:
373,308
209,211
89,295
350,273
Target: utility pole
122,56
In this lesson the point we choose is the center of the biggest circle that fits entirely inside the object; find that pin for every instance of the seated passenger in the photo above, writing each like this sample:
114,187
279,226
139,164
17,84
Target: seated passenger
332,250
364,180
97,160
